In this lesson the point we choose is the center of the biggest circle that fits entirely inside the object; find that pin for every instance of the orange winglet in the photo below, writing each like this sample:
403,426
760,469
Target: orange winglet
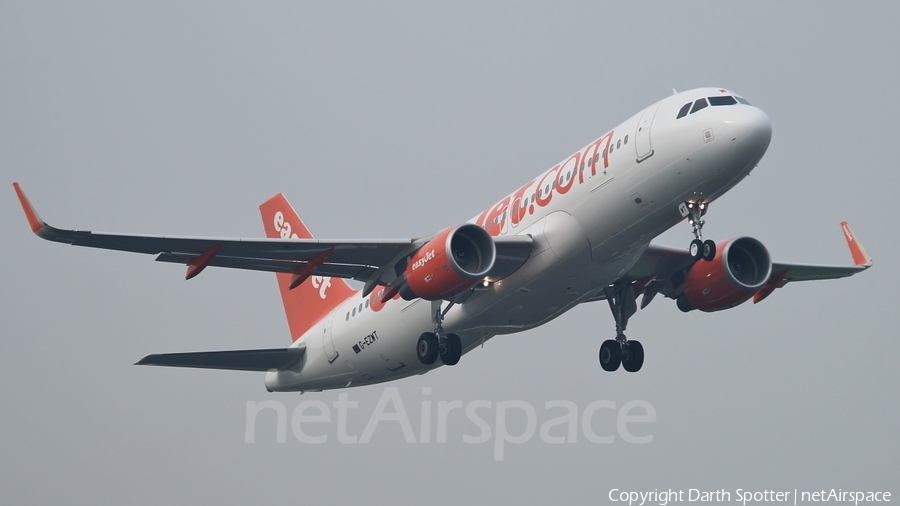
770,287
303,273
33,219
860,257
200,263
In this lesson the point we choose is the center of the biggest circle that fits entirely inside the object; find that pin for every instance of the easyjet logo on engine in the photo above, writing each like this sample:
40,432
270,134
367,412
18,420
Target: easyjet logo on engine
422,261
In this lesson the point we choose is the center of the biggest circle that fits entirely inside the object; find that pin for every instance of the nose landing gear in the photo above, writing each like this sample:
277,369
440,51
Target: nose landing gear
621,351
698,248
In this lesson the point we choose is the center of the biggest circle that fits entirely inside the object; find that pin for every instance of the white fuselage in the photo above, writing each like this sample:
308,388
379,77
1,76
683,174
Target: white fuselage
590,217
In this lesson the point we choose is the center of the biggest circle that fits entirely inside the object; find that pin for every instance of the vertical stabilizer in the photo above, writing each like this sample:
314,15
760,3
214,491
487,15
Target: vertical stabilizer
313,299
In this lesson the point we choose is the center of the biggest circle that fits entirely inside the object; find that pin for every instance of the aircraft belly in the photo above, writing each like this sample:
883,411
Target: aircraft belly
541,300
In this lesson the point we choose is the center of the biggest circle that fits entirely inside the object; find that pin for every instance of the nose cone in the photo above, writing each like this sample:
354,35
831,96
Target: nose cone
751,127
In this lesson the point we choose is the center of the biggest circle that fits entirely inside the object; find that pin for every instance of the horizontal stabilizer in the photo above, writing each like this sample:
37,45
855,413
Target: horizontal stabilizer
239,360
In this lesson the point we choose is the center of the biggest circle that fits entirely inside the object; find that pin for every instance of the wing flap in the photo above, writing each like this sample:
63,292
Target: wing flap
236,360
356,251
346,271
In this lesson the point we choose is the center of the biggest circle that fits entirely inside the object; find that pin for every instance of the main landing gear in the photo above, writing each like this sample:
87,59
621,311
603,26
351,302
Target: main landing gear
621,351
699,248
436,344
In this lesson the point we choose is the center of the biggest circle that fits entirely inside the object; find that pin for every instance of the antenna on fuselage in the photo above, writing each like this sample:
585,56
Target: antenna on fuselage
674,92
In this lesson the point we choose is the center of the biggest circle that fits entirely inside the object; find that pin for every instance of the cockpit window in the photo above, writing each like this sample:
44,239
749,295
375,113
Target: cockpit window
684,110
699,104
726,100
742,100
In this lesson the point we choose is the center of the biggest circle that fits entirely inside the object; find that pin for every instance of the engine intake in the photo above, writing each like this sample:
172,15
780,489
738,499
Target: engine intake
451,263
741,268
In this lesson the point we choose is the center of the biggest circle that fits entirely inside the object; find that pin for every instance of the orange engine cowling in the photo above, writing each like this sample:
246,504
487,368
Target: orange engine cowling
451,263
741,268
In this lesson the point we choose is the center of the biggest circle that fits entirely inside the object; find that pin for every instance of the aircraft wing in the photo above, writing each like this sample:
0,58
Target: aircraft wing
357,259
660,269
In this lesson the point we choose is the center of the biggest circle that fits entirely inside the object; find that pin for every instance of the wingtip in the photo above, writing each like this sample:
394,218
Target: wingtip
860,256
144,361
34,220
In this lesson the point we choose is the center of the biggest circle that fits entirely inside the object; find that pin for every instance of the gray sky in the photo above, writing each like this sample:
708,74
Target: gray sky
394,121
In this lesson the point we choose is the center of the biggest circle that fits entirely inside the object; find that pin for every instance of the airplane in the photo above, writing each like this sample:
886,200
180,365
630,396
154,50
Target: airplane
578,232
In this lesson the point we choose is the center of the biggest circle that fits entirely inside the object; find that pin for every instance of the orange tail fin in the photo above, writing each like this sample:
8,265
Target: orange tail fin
313,299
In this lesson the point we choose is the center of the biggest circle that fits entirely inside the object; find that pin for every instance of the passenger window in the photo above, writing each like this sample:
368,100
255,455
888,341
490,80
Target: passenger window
367,303
604,153
742,100
360,307
625,140
354,311
699,104
619,144
611,147
684,110
726,100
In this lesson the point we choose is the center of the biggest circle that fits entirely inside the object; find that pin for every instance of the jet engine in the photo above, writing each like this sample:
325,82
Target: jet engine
451,263
740,269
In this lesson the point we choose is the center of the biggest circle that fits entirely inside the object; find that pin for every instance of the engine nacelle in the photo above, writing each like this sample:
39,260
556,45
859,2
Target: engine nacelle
451,263
741,268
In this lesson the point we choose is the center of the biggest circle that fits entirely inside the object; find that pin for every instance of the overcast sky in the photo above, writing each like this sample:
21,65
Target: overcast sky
396,120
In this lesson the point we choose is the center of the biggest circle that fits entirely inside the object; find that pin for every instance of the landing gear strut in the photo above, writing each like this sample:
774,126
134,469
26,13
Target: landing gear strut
699,248
439,343
621,351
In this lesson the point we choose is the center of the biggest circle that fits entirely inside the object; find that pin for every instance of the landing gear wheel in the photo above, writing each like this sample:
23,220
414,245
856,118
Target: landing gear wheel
694,211
696,249
633,358
451,350
610,355
427,348
709,250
